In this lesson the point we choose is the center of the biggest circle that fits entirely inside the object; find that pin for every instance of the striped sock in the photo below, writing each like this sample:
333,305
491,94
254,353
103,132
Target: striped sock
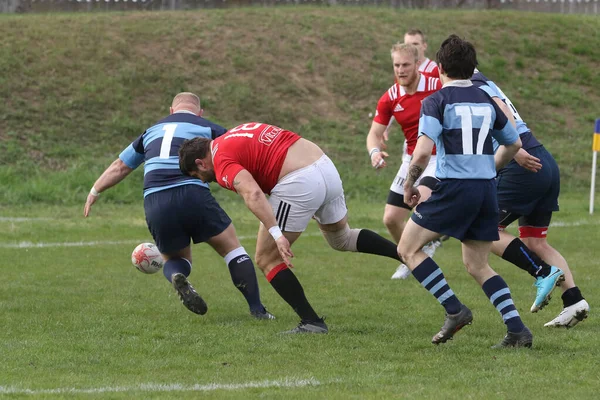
499,294
432,278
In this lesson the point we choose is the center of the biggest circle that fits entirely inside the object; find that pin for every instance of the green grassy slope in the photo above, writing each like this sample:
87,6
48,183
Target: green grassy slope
77,88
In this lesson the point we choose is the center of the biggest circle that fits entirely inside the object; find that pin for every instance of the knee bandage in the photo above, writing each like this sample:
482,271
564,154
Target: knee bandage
343,240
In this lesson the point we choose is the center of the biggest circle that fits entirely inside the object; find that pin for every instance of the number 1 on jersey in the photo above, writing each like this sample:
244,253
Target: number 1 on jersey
165,147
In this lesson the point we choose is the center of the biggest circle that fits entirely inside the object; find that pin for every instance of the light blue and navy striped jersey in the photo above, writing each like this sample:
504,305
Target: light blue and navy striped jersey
158,148
461,120
529,141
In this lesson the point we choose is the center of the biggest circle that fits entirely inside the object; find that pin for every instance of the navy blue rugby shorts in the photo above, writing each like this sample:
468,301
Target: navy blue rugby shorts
176,215
466,209
523,193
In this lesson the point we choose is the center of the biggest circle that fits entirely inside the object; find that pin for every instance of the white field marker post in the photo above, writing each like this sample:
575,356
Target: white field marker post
595,149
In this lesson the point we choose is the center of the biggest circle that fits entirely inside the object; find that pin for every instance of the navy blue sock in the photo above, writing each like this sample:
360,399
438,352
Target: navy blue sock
243,276
432,278
499,294
175,265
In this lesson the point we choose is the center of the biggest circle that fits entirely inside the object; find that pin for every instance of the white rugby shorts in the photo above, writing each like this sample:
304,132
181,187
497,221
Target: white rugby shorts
315,190
398,183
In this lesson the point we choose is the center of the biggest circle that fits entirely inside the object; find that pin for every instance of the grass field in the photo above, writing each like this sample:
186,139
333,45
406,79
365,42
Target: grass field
79,321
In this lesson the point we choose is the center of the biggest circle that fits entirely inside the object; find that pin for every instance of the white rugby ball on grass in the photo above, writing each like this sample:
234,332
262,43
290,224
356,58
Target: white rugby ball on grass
146,258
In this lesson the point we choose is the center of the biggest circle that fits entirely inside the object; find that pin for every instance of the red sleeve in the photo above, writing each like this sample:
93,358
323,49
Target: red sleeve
384,110
226,169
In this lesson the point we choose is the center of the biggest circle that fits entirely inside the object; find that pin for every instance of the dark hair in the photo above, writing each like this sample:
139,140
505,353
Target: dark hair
457,58
191,150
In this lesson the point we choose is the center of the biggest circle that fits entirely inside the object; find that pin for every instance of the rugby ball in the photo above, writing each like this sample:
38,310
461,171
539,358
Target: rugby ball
146,258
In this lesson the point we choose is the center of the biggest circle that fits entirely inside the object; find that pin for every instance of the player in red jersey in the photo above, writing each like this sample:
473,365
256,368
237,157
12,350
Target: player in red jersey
426,66
255,159
403,102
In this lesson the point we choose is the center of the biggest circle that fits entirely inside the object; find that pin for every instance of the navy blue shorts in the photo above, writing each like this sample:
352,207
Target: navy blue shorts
174,216
523,193
466,209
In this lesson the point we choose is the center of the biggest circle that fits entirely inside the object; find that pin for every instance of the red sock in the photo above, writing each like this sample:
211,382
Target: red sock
276,269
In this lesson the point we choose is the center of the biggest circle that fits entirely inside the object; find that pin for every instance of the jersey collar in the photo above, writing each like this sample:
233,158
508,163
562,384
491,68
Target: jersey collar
459,83
420,87
184,112
424,64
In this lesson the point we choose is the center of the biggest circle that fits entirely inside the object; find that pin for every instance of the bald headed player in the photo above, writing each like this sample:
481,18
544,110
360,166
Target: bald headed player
179,208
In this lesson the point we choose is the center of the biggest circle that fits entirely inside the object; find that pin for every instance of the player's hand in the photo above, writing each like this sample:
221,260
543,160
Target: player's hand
386,135
283,245
411,196
91,199
527,161
378,159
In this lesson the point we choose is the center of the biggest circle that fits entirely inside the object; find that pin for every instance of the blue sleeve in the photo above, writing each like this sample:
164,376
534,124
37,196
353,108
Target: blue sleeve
430,123
217,130
501,118
489,90
133,155
506,135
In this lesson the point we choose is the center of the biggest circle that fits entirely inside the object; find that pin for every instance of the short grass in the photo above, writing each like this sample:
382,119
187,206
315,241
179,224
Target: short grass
84,318
77,88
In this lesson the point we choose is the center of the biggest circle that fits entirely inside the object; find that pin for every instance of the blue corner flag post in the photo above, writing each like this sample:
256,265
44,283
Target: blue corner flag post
595,149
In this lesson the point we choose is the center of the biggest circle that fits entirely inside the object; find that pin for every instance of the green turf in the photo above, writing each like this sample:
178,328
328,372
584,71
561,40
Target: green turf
77,88
84,318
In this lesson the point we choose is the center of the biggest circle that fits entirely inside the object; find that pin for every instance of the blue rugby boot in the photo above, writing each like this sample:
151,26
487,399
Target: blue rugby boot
545,286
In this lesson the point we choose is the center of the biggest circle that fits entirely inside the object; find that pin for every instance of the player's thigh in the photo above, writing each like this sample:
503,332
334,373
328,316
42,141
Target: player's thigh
475,253
535,225
225,242
414,238
395,214
267,255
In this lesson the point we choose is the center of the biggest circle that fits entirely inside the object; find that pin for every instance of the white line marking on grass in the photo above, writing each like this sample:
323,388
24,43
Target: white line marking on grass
561,224
31,245
174,387
23,219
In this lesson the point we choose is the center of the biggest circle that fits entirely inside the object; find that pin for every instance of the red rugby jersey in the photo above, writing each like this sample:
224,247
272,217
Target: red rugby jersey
406,108
256,147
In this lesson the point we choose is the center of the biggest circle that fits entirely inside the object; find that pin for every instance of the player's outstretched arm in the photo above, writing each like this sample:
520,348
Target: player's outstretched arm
115,173
255,200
